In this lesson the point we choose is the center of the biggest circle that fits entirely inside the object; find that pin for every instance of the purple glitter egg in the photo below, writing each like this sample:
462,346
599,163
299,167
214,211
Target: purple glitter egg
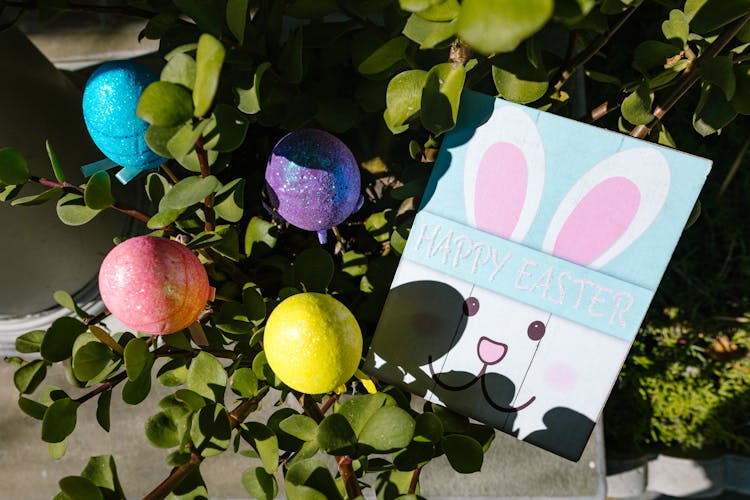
313,180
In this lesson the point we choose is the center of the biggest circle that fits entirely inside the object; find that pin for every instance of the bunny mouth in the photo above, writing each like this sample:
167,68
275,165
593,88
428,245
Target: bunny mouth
490,353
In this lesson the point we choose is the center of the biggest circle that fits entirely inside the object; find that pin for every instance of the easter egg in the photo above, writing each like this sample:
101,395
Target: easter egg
313,180
153,285
110,100
312,342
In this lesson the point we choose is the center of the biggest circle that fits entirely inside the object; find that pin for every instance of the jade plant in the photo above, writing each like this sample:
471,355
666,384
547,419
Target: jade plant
385,77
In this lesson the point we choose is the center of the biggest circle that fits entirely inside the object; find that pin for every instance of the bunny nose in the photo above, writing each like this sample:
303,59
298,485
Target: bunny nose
491,352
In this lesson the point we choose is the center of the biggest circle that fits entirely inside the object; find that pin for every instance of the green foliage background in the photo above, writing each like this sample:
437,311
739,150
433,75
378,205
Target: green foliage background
386,77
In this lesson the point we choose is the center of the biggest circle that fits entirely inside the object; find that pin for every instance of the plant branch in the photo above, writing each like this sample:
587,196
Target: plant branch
71,188
590,51
175,478
205,172
414,481
691,75
103,387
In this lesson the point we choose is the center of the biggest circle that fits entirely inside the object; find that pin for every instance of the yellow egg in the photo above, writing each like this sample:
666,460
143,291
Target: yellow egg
312,342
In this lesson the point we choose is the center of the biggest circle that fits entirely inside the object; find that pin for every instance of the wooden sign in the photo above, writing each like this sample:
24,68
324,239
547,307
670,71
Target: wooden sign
529,268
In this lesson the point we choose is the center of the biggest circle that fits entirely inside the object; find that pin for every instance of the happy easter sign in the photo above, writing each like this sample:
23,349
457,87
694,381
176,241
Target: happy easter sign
530,265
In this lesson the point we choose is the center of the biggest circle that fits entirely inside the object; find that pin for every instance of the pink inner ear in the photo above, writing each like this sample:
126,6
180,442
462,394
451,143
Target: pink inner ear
600,218
503,170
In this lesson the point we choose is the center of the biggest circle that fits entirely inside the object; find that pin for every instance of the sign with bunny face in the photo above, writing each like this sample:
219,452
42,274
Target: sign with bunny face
529,268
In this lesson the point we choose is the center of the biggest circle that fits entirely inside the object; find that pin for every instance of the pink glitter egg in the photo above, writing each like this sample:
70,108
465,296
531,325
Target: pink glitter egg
313,180
153,285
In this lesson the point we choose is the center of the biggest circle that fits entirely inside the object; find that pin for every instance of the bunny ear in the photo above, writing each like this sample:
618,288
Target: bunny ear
609,207
504,174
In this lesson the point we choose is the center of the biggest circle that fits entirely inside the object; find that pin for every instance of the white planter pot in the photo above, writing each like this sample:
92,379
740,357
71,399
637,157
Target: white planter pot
39,254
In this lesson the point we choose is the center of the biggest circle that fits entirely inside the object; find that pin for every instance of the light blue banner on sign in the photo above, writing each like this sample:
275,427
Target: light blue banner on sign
560,287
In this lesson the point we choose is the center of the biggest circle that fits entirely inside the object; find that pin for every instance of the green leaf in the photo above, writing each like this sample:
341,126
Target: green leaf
706,16
300,426
441,96
72,210
211,430
636,108
520,76
227,129
676,28
13,167
653,54
57,344
229,201
418,5
79,488
38,199
358,411
28,377
59,420
310,478
428,33
165,104
255,306
8,192
102,471
56,168
236,18
388,429
161,430
403,98
183,141
384,57
415,455
57,450
713,112
231,319
31,408
137,357
173,373
209,58
65,300
392,483
102,409
260,484
180,69
163,218
244,383
192,487
501,25
30,342
207,377
464,454
445,10
249,99
264,441
313,269
720,71
98,192
135,391
90,360
188,192
156,187
429,428
335,436
157,138
192,399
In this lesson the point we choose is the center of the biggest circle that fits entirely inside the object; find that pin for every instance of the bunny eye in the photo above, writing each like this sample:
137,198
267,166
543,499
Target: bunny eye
471,306
536,330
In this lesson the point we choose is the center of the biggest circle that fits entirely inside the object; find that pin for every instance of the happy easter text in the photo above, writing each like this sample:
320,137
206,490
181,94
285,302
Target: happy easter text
510,267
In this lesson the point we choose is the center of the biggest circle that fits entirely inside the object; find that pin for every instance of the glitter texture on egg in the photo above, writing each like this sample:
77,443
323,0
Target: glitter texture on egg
153,285
313,180
110,100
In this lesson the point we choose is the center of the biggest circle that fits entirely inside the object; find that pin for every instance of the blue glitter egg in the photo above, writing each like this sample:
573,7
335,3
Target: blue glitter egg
109,104
313,180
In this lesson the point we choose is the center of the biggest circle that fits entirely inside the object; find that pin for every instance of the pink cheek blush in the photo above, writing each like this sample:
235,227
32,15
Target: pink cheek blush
561,376
154,285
